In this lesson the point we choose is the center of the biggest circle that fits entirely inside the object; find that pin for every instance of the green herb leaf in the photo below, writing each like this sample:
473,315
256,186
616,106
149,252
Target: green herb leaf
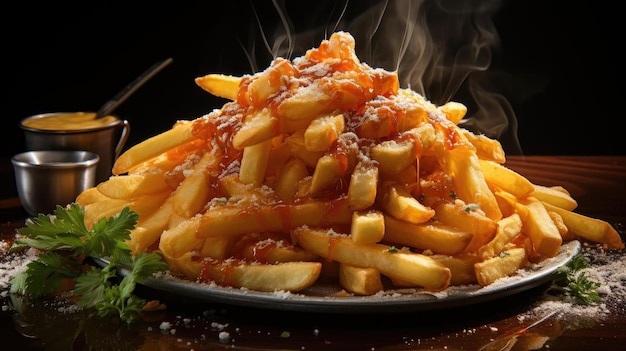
575,283
65,241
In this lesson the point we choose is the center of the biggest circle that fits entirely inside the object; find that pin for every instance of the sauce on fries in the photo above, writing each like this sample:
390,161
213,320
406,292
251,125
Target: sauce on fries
324,166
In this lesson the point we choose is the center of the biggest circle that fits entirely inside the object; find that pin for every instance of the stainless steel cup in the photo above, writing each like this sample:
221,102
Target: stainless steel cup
106,140
52,177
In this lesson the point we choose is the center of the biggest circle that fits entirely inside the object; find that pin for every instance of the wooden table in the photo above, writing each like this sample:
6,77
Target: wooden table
507,323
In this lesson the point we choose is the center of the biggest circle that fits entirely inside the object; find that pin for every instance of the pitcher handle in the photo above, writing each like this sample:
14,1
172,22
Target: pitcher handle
123,138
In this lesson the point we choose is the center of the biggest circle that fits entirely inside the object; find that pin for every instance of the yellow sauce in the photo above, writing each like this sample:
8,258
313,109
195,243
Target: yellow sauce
68,121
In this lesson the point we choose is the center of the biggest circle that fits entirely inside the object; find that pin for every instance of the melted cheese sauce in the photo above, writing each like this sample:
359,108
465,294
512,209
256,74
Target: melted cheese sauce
68,121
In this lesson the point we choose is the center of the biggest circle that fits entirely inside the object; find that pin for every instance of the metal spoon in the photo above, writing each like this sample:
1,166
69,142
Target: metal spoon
120,97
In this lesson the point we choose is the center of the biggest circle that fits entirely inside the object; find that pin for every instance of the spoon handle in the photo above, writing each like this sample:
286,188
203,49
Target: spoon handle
120,97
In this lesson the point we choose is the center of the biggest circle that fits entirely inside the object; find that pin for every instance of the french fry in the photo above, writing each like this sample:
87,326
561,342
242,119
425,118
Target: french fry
220,85
295,143
540,228
463,165
254,162
393,157
285,276
367,227
133,185
257,127
287,182
269,248
193,192
189,234
269,82
461,267
363,186
592,229
503,265
90,195
506,179
412,268
180,134
464,217
454,111
323,132
436,237
399,203
486,148
217,247
556,196
149,228
359,280
508,228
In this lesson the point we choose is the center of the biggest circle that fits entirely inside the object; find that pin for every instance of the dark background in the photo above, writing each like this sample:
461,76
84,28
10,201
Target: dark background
556,64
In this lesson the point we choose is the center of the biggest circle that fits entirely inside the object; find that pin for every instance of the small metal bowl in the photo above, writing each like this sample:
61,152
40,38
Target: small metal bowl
47,178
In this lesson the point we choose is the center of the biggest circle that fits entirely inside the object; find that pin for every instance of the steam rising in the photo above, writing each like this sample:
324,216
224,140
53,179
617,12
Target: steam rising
441,49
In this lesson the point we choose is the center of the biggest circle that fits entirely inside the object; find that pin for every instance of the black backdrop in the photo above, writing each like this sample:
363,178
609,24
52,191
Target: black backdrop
560,63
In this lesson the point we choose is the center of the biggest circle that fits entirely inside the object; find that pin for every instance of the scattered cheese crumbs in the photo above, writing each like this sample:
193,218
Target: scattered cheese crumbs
224,336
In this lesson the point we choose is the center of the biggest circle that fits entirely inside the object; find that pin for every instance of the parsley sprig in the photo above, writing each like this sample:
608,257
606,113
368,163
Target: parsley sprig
573,281
64,242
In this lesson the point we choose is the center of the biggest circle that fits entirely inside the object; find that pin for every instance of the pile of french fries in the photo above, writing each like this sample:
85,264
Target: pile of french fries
322,166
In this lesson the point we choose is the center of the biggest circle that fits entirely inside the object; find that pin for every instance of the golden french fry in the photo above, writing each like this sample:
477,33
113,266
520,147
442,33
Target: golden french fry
508,228
367,227
410,267
287,183
503,265
193,192
467,219
592,229
486,148
540,228
393,156
455,111
556,196
285,276
295,143
359,280
180,239
363,186
254,162
506,179
149,229
102,209
180,134
461,267
323,132
436,237
307,104
144,205
257,127
399,203
470,184
327,172
219,221
218,247
269,82
90,195
220,85
133,185
269,248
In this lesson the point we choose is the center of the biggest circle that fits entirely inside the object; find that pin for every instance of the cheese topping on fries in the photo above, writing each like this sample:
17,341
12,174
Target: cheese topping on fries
324,166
